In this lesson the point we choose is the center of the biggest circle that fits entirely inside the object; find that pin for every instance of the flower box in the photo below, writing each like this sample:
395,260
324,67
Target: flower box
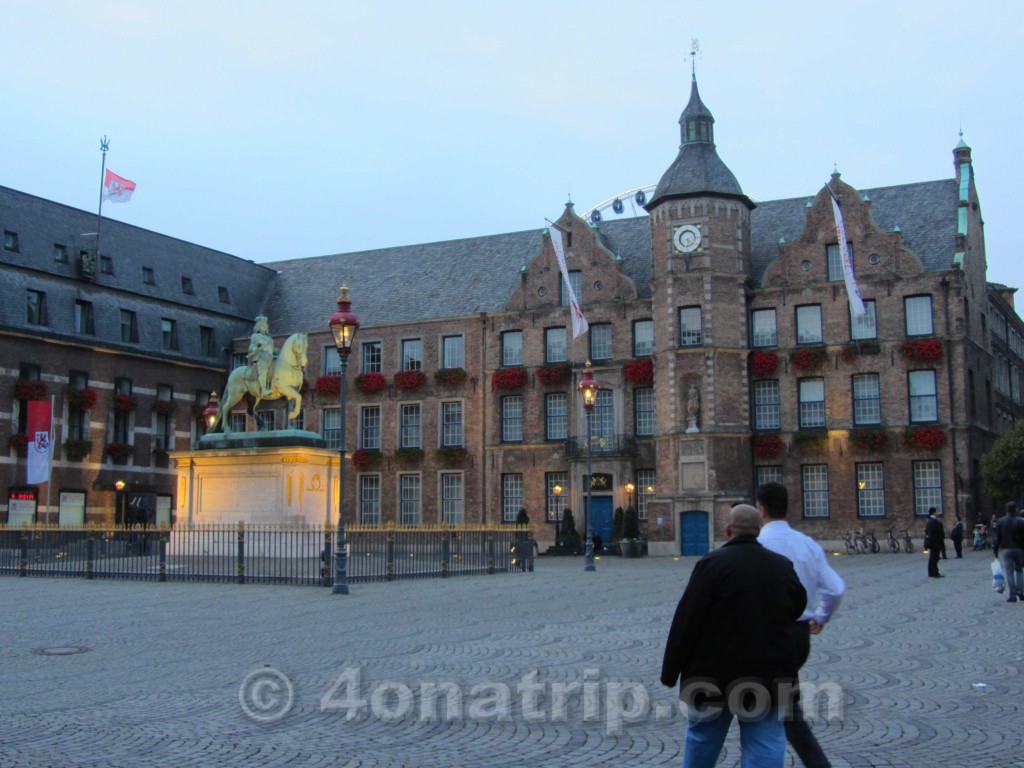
124,404
29,390
451,377
452,455
763,365
809,359
19,442
365,459
165,407
80,399
119,452
925,438
408,455
76,450
410,380
767,446
869,439
552,375
923,350
328,385
510,378
810,440
639,371
371,382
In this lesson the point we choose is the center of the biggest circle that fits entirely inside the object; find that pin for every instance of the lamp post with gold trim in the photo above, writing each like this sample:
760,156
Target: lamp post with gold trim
344,325
588,389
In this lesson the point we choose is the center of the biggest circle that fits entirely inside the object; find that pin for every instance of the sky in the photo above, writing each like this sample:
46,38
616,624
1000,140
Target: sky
277,130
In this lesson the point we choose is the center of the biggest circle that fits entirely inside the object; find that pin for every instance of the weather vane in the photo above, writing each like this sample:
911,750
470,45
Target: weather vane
694,47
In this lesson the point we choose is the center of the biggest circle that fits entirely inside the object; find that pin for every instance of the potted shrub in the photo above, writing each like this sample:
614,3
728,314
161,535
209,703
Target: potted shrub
568,536
554,374
450,377
639,371
410,380
81,399
616,532
369,382
329,385
925,438
119,452
124,403
922,350
510,378
76,450
629,544
763,364
808,358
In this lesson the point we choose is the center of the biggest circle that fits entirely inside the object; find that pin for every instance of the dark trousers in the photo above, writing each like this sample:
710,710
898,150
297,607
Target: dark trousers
798,732
933,560
958,545
942,549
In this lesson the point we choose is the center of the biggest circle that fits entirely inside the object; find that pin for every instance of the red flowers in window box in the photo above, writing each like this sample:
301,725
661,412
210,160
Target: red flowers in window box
805,358
408,455
165,407
81,399
365,459
923,350
452,455
767,446
869,439
124,404
554,374
328,385
451,377
29,390
369,382
410,380
639,371
510,378
763,364
119,452
19,442
925,438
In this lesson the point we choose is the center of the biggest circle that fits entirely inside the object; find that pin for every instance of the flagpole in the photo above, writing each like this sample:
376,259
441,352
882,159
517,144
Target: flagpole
104,146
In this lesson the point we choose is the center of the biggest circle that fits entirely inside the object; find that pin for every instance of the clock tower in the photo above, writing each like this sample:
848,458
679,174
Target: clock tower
700,242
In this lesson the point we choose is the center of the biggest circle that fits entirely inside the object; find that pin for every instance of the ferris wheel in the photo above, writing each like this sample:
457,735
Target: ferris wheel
634,198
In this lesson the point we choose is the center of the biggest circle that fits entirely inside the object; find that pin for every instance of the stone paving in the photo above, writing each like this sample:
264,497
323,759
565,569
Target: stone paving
224,675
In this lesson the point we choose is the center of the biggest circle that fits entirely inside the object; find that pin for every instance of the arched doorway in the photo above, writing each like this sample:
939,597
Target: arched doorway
693,532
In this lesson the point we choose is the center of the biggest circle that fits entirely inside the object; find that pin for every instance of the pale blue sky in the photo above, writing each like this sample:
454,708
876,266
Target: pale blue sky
276,132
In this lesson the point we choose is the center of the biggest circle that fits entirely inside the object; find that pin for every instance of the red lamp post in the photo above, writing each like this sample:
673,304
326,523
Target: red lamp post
344,325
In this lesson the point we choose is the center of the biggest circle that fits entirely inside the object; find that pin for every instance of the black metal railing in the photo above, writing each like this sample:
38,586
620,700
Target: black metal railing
264,554
617,445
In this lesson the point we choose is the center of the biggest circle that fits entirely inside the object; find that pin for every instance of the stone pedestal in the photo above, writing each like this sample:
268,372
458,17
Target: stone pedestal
283,477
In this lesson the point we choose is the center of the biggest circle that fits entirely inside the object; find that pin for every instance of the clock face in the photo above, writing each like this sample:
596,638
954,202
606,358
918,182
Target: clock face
686,238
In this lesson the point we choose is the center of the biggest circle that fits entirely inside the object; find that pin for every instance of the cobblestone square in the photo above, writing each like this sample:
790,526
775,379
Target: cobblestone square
556,668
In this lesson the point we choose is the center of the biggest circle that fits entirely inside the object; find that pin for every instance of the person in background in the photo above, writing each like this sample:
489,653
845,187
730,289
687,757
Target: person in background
956,535
934,533
825,589
1008,548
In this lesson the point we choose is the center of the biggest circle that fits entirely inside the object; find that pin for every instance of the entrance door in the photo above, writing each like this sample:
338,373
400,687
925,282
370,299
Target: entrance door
693,532
601,521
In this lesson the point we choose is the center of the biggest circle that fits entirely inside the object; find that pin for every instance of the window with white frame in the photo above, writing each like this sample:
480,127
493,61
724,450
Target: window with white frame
643,411
269,419
808,324
409,500
864,326
453,352
554,345
369,428
237,423
512,419
451,498
369,499
763,328
370,357
918,311
601,341
643,338
767,404
814,484
812,403
452,429
331,431
511,348
576,281
332,361
556,416
867,400
924,401
870,490
511,496
412,354
646,484
690,330
299,422
927,487
409,426
768,474
556,502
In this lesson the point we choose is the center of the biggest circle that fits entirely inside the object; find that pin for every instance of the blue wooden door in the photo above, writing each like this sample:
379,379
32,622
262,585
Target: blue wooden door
693,533
601,522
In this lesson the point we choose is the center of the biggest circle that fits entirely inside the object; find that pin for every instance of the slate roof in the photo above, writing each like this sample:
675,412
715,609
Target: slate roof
926,213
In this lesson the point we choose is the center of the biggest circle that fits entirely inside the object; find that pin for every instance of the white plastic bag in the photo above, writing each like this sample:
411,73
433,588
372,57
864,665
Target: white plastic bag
998,582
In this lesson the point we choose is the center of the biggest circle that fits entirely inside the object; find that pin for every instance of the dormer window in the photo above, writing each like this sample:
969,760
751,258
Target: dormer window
147,276
186,286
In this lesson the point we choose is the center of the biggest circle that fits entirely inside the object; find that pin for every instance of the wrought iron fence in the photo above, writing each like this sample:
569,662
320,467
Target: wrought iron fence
265,554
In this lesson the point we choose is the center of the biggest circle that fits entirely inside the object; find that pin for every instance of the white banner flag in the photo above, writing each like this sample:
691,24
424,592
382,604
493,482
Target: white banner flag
852,291
579,322
40,446
117,189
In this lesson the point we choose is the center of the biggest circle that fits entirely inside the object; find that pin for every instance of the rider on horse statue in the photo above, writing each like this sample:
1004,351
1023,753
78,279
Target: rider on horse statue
261,354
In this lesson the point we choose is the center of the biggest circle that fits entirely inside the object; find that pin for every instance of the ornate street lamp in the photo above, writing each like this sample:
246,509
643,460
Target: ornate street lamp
557,490
588,390
210,411
630,487
344,325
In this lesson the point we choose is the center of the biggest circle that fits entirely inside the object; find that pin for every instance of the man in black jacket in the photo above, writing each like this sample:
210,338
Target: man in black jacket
1008,548
934,534
730,647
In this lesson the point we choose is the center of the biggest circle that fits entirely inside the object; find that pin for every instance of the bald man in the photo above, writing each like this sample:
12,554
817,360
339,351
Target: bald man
730,649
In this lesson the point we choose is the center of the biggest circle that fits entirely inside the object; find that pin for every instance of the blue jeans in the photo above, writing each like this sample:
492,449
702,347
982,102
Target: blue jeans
763,741
1012,560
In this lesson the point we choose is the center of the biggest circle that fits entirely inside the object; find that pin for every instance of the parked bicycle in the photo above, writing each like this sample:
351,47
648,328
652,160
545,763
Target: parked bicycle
908,543
850,540
872,543
894,543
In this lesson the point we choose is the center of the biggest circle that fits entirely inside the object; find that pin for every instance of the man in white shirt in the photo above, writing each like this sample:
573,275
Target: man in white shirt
824,589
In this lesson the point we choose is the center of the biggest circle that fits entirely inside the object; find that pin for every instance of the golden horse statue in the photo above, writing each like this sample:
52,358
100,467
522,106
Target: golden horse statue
286,379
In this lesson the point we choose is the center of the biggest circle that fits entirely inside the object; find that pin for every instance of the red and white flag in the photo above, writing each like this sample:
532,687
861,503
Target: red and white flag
579,322
40,445
116,189
852,290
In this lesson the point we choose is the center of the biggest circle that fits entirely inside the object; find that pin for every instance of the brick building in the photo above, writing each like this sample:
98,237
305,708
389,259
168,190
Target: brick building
720,333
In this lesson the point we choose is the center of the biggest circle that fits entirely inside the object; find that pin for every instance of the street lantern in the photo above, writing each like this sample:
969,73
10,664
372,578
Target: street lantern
344,325
630,487
210,411
557,490
588,389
